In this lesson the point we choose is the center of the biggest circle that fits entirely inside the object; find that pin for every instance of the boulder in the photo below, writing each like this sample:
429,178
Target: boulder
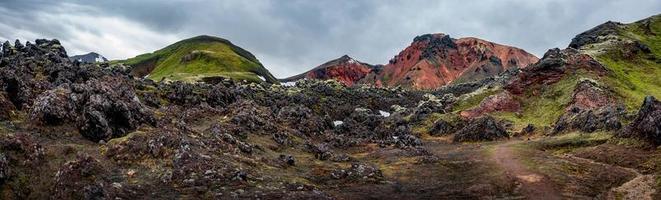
606,118
54,107
82,178
647,124
101,109
481,129
359,172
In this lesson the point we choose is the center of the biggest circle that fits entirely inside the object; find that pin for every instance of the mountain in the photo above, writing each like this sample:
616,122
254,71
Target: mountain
199,58
594,84
431,61
344,69
434,60
91,57
631,53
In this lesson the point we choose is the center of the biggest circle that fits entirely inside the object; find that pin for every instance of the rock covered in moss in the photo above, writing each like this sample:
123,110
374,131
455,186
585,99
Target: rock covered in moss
592,108
446,126
102,109
607,118
359,172
481,129
647,124
82,178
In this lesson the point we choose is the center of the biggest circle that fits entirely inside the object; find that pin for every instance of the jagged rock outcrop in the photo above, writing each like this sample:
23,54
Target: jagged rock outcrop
596,34
481,129
432,104
647,124
592,108
40,79
102,109
446,126
551,68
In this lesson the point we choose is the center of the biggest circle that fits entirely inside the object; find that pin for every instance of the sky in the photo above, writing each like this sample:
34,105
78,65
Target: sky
293,36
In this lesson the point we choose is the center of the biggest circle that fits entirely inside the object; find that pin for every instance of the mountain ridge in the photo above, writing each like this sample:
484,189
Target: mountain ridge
442,59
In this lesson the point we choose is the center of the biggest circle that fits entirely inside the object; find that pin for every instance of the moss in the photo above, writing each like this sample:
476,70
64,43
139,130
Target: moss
546,107
571,141
204,56
425,125
474,99
634,76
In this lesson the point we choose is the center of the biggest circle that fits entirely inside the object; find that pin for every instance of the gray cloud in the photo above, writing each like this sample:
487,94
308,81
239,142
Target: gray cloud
290,37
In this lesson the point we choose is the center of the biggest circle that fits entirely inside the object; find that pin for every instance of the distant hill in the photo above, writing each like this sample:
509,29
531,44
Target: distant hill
344,69
91,57
199,58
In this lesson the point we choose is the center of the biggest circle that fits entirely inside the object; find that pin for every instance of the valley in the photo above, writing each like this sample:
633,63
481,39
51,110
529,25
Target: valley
444,119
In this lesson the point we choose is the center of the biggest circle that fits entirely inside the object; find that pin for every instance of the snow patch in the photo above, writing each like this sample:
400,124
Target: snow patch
384,113
289,84
261,77
337,123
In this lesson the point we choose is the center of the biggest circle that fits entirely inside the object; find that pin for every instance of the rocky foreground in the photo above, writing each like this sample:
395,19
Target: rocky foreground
74,130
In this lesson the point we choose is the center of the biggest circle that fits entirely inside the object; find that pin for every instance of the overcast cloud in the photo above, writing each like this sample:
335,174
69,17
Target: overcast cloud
292,36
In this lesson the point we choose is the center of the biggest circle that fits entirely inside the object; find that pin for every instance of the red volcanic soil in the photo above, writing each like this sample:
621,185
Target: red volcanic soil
434,60
503,101
344,69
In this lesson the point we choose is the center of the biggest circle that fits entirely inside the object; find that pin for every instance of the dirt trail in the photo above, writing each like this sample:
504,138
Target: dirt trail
533,185
640,187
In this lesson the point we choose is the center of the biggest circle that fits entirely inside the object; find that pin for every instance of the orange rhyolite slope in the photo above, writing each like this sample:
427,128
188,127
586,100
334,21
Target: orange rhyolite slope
431,61
434,60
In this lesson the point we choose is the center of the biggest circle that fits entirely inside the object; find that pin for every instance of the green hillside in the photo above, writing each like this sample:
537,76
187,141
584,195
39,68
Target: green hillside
633,55
200,57
630,53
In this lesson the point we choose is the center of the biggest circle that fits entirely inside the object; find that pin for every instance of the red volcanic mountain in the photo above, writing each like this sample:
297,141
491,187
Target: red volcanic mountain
434,60
431,61
344,69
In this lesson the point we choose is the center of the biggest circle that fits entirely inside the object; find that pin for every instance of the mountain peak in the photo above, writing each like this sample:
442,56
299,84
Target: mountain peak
91,57
434,60
430,36
200,58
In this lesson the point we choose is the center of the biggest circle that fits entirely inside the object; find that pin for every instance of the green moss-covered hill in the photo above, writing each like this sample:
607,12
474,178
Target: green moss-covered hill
622,59
631,52
198,58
